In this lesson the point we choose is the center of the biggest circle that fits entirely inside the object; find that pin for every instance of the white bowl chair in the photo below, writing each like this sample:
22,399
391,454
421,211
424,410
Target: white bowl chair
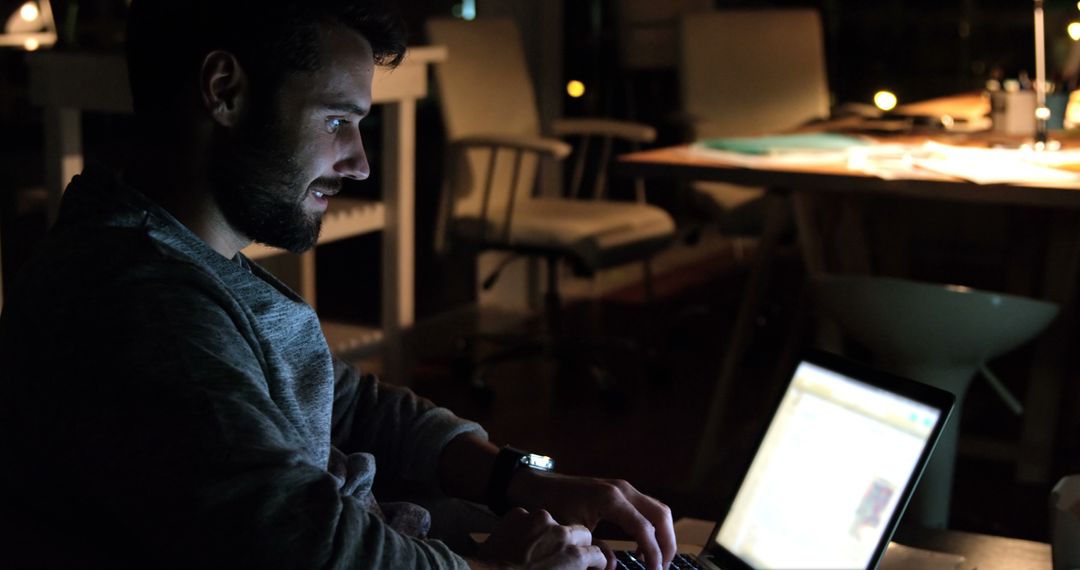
941,335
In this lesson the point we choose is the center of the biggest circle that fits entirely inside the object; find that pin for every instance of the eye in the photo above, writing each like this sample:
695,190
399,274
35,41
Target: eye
335,124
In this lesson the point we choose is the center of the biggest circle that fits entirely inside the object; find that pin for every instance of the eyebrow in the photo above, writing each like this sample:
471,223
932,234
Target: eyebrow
347,108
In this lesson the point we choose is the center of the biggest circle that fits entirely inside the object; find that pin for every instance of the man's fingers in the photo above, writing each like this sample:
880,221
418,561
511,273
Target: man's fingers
648,521
656,513
610,554
641,529
592,557
660,516
578,535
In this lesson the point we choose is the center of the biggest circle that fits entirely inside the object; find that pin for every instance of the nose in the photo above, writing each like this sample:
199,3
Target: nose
354,163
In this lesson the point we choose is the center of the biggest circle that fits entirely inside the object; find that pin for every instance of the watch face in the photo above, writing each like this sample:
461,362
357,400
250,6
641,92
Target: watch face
541,462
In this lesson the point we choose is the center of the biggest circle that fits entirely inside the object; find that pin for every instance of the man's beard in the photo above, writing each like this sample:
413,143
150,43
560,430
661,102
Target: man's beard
260,188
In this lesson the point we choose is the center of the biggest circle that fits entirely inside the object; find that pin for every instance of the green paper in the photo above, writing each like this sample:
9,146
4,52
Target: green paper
808,142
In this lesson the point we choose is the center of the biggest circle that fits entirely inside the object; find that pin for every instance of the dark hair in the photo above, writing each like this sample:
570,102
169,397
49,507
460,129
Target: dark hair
167,40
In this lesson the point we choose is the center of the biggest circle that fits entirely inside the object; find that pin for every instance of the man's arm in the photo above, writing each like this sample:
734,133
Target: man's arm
155,425
466,463
406,433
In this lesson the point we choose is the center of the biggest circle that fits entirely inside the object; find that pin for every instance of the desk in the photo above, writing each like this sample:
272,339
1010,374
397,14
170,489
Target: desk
802,183
980,551
67,84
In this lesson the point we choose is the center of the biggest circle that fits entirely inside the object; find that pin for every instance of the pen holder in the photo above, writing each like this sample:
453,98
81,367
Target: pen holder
1013,112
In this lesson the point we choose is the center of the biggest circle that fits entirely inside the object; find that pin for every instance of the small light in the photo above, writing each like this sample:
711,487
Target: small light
1074,31
465,10
29,12
575,88
1042,113
31,44
885,100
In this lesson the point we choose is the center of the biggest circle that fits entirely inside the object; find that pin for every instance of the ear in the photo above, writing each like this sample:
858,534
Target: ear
222,86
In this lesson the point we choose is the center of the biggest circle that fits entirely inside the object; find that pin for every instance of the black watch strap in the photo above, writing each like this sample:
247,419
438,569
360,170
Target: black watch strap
507,462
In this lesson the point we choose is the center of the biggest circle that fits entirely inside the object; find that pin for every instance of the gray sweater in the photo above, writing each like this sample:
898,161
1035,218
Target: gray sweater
163,406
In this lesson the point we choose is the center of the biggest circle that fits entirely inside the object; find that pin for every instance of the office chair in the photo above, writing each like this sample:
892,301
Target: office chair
746,73
647,42
494,154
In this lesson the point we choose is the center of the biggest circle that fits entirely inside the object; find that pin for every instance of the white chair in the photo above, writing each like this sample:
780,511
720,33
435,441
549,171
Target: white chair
495,147
647,41
746,73
938,334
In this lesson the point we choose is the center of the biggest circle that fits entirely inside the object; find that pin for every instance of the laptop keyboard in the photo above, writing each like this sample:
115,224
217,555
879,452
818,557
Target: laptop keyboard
626,560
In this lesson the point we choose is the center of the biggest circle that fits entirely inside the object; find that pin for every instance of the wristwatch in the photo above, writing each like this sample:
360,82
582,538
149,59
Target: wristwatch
507,462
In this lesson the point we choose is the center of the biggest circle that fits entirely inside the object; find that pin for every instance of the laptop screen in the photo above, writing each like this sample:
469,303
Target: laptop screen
829,474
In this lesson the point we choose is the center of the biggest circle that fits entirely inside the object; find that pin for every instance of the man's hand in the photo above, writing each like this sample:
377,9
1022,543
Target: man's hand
534,541
587,501
465,467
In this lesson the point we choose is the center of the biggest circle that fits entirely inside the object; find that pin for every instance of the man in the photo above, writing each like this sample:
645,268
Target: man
167,403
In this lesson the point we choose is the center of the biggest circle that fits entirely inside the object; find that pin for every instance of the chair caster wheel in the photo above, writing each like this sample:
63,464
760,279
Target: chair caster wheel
482,395
614,400
462,368
655,370
601,377
479,389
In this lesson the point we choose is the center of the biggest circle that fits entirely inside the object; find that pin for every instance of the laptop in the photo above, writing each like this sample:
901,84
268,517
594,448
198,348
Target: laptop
832,474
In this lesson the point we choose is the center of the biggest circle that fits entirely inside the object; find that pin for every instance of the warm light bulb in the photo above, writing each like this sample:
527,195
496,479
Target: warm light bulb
29,12
31,44
575,88
1074,30
885,100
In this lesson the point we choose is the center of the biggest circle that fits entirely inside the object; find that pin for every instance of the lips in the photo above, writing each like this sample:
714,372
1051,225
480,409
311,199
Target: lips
325,187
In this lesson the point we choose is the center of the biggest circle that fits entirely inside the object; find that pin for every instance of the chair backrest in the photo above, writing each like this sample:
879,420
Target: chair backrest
748,72
648,31
485,90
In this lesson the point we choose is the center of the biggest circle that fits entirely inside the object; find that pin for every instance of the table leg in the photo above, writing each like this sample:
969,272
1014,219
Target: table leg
306,264
399,141
812,246
1043,401
63,152
776,216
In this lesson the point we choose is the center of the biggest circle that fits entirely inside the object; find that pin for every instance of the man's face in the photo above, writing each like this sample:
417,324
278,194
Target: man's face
272,175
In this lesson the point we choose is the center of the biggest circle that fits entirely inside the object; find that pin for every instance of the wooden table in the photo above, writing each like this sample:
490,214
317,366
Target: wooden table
980,551
66,84
803,183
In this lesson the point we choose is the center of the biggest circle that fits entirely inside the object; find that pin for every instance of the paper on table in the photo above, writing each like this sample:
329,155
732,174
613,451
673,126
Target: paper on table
997,166
890,161
897,161
779,144
779,150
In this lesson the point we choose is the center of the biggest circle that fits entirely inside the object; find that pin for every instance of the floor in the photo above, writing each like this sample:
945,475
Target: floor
642,421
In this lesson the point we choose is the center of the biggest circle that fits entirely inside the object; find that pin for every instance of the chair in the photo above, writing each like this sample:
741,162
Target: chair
647,34
495,149
745,73
940,335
